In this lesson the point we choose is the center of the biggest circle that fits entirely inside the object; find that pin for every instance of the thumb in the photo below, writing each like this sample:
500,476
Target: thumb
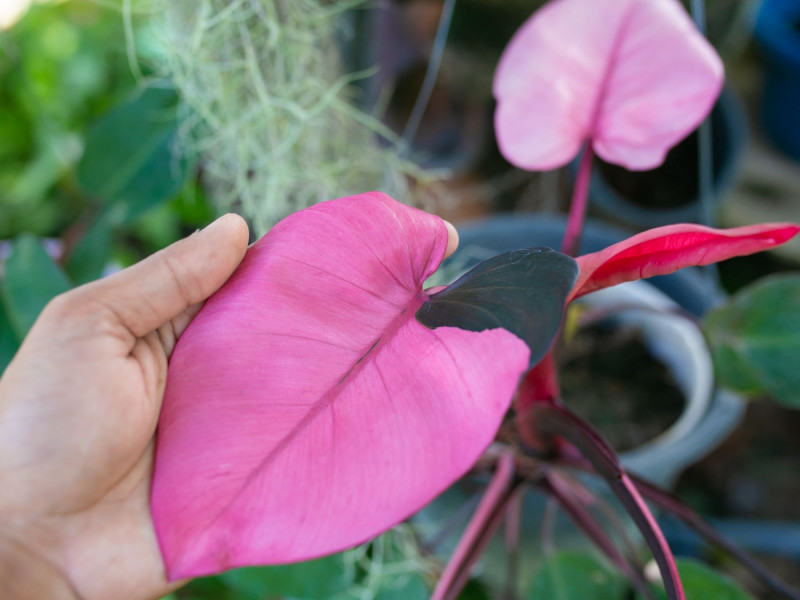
159,288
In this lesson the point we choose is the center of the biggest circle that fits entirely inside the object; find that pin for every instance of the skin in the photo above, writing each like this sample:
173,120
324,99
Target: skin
79,406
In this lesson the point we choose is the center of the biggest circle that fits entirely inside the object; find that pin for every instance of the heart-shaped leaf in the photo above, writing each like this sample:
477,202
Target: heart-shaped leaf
521,291
306,409
667,249
756,339
632,77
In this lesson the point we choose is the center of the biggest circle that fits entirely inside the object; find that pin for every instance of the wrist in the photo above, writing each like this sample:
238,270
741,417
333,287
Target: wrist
28,575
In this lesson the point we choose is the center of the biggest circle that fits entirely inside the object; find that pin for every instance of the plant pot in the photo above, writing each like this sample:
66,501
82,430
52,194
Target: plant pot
778,32
669,193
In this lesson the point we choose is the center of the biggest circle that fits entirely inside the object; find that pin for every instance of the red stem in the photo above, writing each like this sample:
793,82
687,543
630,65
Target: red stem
479,531
580,197
672,504
583,519
547,421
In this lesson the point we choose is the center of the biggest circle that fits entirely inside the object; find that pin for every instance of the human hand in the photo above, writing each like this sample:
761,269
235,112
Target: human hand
78,411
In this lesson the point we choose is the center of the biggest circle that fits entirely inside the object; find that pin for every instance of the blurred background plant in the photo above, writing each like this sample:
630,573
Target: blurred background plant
127,124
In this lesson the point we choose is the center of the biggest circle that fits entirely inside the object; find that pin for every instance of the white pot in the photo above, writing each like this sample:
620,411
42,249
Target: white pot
709,415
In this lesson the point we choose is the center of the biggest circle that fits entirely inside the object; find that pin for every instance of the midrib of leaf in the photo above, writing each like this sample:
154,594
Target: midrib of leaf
328,398
613,59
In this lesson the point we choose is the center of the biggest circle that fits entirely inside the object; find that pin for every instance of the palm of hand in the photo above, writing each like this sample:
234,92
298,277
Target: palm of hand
78,413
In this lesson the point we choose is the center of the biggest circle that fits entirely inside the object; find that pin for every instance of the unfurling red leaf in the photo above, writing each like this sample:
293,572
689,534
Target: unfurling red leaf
755,338
632,77
306,409
667,249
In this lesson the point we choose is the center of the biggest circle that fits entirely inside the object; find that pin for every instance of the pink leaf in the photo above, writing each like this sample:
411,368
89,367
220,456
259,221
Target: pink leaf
306,409
664,250
634,77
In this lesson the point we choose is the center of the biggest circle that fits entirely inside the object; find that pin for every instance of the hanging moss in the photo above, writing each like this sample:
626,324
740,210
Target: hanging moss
272,114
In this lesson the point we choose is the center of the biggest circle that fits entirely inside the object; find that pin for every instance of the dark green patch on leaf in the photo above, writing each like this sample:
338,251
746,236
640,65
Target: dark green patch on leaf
523,291
755,339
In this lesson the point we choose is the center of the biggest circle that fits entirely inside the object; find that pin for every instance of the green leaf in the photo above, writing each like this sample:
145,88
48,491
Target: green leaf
409,587
8,342
30,281
321,578
92,253
130,158
755,339
704,583
576,576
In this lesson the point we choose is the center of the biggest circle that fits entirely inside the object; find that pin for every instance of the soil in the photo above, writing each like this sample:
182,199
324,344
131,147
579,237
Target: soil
674,183
610,379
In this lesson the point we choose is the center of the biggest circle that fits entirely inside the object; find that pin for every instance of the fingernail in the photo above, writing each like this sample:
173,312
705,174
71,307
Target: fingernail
452,238
219,221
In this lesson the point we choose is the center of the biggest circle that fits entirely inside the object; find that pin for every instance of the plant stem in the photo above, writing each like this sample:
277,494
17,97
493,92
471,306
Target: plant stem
550,421
513,526
583,519
484,523
580,198
435,61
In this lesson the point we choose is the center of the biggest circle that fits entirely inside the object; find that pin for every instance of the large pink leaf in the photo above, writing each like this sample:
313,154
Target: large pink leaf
664,250
306,409
633,77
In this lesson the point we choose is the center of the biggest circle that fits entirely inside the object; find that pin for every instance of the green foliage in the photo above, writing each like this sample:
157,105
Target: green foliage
578,576
703,583
130,160
575,576
90,255
755,339
31,279
60,66
388,568
8,342
322,578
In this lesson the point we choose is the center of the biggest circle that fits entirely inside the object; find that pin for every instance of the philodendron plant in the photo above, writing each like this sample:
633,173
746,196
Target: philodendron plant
323,395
